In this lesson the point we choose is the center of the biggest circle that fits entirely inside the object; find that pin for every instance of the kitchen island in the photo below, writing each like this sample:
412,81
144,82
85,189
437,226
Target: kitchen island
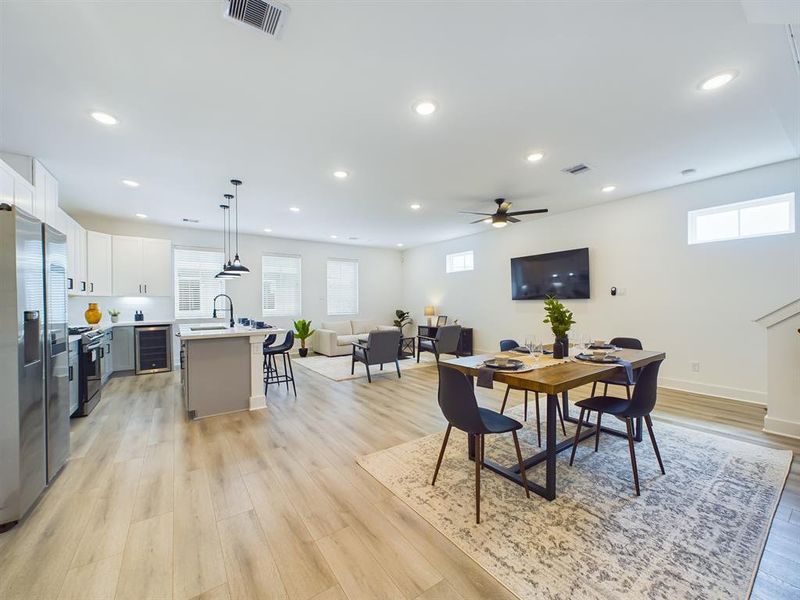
222,368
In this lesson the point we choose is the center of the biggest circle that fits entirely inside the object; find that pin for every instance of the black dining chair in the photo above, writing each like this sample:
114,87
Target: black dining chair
641,404
620,342
505,346
445,342
381,347
460,408
273,376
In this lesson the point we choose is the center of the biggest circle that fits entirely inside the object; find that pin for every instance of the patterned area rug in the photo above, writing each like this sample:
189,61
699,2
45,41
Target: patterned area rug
338,367
696,532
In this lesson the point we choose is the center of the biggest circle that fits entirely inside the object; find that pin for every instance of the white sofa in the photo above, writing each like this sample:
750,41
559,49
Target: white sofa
335,338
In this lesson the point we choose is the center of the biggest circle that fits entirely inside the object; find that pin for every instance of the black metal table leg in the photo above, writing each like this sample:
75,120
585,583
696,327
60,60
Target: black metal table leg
550,472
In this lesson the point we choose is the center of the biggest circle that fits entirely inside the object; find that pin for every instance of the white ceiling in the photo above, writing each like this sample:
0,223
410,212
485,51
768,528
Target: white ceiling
201,99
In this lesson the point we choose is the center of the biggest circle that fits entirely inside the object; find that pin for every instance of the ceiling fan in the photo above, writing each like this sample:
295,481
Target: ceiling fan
502,217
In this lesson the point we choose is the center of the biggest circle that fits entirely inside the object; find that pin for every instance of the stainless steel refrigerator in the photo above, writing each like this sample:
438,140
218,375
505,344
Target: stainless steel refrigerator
34,395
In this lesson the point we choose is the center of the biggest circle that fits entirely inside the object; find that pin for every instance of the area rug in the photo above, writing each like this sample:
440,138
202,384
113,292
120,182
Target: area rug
338,367
696,532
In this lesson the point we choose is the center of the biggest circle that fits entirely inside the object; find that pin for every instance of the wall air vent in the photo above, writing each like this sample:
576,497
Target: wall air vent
185,220
576,169
266,16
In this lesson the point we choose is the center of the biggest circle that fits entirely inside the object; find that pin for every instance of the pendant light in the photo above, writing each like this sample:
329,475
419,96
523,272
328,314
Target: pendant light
237,266
225,240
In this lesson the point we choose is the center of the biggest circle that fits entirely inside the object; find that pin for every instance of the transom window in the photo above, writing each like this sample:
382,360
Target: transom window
281,285
459,261
342,286
773,215
195,281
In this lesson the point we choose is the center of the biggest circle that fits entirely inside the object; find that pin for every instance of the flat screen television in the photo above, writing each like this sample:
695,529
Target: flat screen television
564,275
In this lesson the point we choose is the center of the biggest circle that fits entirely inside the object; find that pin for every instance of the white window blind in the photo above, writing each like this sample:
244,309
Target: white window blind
280,285
773,215
195,281
342,286
460,261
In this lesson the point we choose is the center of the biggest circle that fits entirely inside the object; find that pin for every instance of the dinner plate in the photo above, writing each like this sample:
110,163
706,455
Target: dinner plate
607,359
603,347
512,364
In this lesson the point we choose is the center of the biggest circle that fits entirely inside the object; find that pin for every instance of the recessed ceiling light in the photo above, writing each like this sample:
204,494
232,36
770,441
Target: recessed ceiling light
400,244
425,107
416,206
141,215
535,156
333,237
609,188
267,230
130,183
294,209
717,81
104,118
340,174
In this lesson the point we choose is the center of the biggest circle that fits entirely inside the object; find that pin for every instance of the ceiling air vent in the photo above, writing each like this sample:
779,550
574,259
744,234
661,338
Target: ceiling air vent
266,16
185,220
576,169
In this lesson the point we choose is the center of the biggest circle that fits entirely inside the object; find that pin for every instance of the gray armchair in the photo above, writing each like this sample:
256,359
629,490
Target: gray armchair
445,342
381,347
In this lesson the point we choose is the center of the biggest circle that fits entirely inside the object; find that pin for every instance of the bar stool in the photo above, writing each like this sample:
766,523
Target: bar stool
268,341
272,374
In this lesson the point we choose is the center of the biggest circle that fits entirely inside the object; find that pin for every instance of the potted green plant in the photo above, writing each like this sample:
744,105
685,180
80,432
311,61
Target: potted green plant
403,319
560,320
114,314
303,331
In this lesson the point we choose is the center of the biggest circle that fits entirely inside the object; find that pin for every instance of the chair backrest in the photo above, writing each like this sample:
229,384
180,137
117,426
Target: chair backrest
457,401
447,339
643,399
383,346
626,342
269,340
506,345
288,341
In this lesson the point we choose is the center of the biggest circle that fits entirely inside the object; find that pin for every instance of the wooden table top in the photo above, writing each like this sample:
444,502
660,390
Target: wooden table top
556,378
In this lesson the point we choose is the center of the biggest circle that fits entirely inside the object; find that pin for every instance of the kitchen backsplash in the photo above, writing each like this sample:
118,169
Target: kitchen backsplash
153,308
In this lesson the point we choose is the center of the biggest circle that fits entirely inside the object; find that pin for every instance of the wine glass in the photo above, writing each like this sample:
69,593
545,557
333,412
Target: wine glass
536,351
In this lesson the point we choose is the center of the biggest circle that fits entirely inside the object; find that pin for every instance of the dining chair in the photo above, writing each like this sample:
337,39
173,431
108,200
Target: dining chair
506,346
381,347
445,342
460,408
272,375
620,342
641,404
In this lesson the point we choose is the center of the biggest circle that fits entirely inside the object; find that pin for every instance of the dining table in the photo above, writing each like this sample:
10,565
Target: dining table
553,377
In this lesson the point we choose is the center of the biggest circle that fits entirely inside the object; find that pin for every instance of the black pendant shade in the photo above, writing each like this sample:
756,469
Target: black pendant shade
225,241
236,267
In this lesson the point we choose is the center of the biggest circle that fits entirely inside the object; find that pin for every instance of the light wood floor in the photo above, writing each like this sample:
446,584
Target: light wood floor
271,504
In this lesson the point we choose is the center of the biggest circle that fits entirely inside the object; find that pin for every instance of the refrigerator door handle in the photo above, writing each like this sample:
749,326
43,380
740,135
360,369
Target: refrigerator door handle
70,283
70,373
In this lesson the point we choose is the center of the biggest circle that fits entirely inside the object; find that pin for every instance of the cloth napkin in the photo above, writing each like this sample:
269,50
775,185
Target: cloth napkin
485,377
628,369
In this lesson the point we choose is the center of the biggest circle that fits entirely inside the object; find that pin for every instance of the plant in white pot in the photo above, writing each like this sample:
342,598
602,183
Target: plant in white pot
114,314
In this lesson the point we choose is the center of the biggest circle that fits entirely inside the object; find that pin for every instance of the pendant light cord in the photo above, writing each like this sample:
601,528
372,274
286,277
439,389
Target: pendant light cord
237,220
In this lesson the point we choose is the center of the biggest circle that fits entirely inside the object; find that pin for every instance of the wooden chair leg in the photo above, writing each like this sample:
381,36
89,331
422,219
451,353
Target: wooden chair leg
561,417
628,392
577,436
369,377
629,427
521,465
649,422
479,443
397,366
538,423
597,433
526,406
353,362
605,389
441,453
505,399
594,387
483,448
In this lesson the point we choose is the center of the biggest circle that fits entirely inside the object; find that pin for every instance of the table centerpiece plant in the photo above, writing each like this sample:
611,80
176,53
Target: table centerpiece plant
303,331
560,320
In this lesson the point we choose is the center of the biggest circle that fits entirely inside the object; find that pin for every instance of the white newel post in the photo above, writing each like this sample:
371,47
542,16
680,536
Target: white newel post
257,397
783,369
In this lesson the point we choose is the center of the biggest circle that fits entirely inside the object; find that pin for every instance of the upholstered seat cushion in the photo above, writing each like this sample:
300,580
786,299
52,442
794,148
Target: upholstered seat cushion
606,404
346,340
497,423
426,344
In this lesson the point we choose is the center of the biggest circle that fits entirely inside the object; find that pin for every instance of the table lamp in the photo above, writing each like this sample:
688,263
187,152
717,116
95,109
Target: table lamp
429,312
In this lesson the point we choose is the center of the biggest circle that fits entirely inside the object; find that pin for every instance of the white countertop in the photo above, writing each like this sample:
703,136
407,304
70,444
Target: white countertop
108,325
202,331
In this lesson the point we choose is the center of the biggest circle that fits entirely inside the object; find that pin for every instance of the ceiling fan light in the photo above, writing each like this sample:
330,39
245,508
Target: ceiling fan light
499,224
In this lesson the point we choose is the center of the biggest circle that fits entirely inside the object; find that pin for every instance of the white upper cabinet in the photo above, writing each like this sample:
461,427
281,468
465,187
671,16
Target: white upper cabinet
98,263
46,194
77,284
15,190
24,197
6,184
141,266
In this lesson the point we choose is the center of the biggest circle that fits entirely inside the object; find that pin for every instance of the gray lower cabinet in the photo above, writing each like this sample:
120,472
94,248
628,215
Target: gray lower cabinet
123,349
107,360
74,391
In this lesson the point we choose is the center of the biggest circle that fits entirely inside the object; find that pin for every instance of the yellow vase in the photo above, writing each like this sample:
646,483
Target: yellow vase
93,314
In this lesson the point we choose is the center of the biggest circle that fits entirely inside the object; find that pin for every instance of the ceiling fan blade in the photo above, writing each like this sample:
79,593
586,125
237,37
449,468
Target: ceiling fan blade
467,212
512,219
527,212
478,221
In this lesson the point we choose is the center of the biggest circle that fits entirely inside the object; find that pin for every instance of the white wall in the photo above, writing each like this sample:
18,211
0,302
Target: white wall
380,273
697,302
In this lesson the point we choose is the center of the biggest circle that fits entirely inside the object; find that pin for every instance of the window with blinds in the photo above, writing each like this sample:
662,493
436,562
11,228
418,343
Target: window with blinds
342,286
195,281
280,285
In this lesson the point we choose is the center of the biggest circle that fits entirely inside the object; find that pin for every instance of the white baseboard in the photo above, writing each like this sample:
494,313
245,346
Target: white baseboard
710,389
782,427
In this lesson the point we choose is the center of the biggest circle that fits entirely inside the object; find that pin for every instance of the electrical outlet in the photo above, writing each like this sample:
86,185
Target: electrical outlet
695,367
